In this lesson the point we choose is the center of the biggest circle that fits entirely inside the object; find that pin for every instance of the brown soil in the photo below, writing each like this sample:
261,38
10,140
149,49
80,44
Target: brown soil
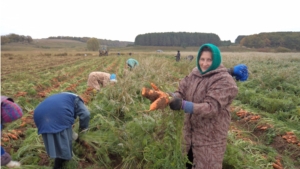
247,123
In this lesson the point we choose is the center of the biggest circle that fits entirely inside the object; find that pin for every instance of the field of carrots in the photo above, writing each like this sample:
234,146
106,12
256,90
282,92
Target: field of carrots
264,131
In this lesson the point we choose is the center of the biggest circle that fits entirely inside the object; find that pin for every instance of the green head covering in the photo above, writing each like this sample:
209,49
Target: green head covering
216,57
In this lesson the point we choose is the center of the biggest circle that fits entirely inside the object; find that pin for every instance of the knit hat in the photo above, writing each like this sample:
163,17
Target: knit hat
113,78
216,57
10,111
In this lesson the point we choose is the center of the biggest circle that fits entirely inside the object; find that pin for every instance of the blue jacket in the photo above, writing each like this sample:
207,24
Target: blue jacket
59,111
132,62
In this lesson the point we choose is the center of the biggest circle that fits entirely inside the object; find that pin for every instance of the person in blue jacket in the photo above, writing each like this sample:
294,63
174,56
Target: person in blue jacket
54,118
131,63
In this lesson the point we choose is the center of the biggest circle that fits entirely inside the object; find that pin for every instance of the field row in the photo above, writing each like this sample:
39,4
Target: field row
122,136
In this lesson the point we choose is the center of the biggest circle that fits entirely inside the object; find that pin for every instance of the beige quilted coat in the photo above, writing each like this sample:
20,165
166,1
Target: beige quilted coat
98,79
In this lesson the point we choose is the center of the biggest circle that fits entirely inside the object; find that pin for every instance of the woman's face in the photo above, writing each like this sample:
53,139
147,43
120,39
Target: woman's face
205,60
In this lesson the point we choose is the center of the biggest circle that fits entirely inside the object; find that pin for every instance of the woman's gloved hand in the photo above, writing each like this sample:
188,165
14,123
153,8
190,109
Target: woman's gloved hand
178,104
175,103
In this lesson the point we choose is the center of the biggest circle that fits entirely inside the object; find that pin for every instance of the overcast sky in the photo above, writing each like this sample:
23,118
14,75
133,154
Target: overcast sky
125,19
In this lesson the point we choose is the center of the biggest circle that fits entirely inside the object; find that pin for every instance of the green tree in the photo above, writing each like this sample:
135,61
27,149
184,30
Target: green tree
4,40
93,44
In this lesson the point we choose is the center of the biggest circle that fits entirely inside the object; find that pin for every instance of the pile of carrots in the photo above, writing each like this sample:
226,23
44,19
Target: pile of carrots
277,164
159,99
12,134
27,120
264,126
247,116
291,138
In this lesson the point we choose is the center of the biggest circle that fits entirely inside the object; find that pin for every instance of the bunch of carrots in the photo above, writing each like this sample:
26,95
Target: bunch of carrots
247,116
27,120
264,126
290,137
158,98
277,164
12,134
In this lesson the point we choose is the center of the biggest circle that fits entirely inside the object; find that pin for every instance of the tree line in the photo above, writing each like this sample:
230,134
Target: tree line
15,38
110,43
183,39
290,40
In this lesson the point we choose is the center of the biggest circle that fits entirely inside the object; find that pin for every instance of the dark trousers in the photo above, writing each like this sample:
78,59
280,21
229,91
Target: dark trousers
190,157
58,163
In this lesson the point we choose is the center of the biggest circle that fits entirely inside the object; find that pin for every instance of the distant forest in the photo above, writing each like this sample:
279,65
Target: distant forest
183,39
110,43
15,38
290,40
286,40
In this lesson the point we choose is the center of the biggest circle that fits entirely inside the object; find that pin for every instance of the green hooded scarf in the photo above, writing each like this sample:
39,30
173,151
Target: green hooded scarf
216,57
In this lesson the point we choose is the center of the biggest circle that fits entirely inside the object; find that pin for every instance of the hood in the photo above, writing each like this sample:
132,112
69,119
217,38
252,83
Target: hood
216,57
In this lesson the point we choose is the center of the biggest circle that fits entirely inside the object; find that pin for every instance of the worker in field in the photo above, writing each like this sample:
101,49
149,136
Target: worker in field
189,57
10,111
178,56
131,63
97,80
205,96
54,118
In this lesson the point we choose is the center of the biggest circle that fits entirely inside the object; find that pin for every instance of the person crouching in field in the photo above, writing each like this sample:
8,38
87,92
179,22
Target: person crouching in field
10,111
54,118
98,79
205,96
131,63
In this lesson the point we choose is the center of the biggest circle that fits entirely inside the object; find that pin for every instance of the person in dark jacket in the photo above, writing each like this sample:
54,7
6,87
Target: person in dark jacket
205,96
178,56
10,111
54,118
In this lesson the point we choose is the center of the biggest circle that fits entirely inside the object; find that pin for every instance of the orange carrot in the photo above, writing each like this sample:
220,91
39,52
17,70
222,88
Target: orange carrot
275,166
159,103
5,139
150,94
158,98
23,124
154,86
12,136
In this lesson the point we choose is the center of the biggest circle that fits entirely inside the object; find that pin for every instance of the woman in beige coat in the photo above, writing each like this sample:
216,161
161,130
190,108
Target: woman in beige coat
205,96
98,79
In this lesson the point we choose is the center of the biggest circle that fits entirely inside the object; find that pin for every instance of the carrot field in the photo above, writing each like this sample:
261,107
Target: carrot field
264,131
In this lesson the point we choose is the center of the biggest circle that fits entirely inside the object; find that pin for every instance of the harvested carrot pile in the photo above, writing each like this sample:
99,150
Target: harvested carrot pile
12,134
290,137
28,120
247,116
264,126
277,164
159,99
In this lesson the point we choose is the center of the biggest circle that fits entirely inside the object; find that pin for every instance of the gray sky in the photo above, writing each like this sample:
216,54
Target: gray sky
125,19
